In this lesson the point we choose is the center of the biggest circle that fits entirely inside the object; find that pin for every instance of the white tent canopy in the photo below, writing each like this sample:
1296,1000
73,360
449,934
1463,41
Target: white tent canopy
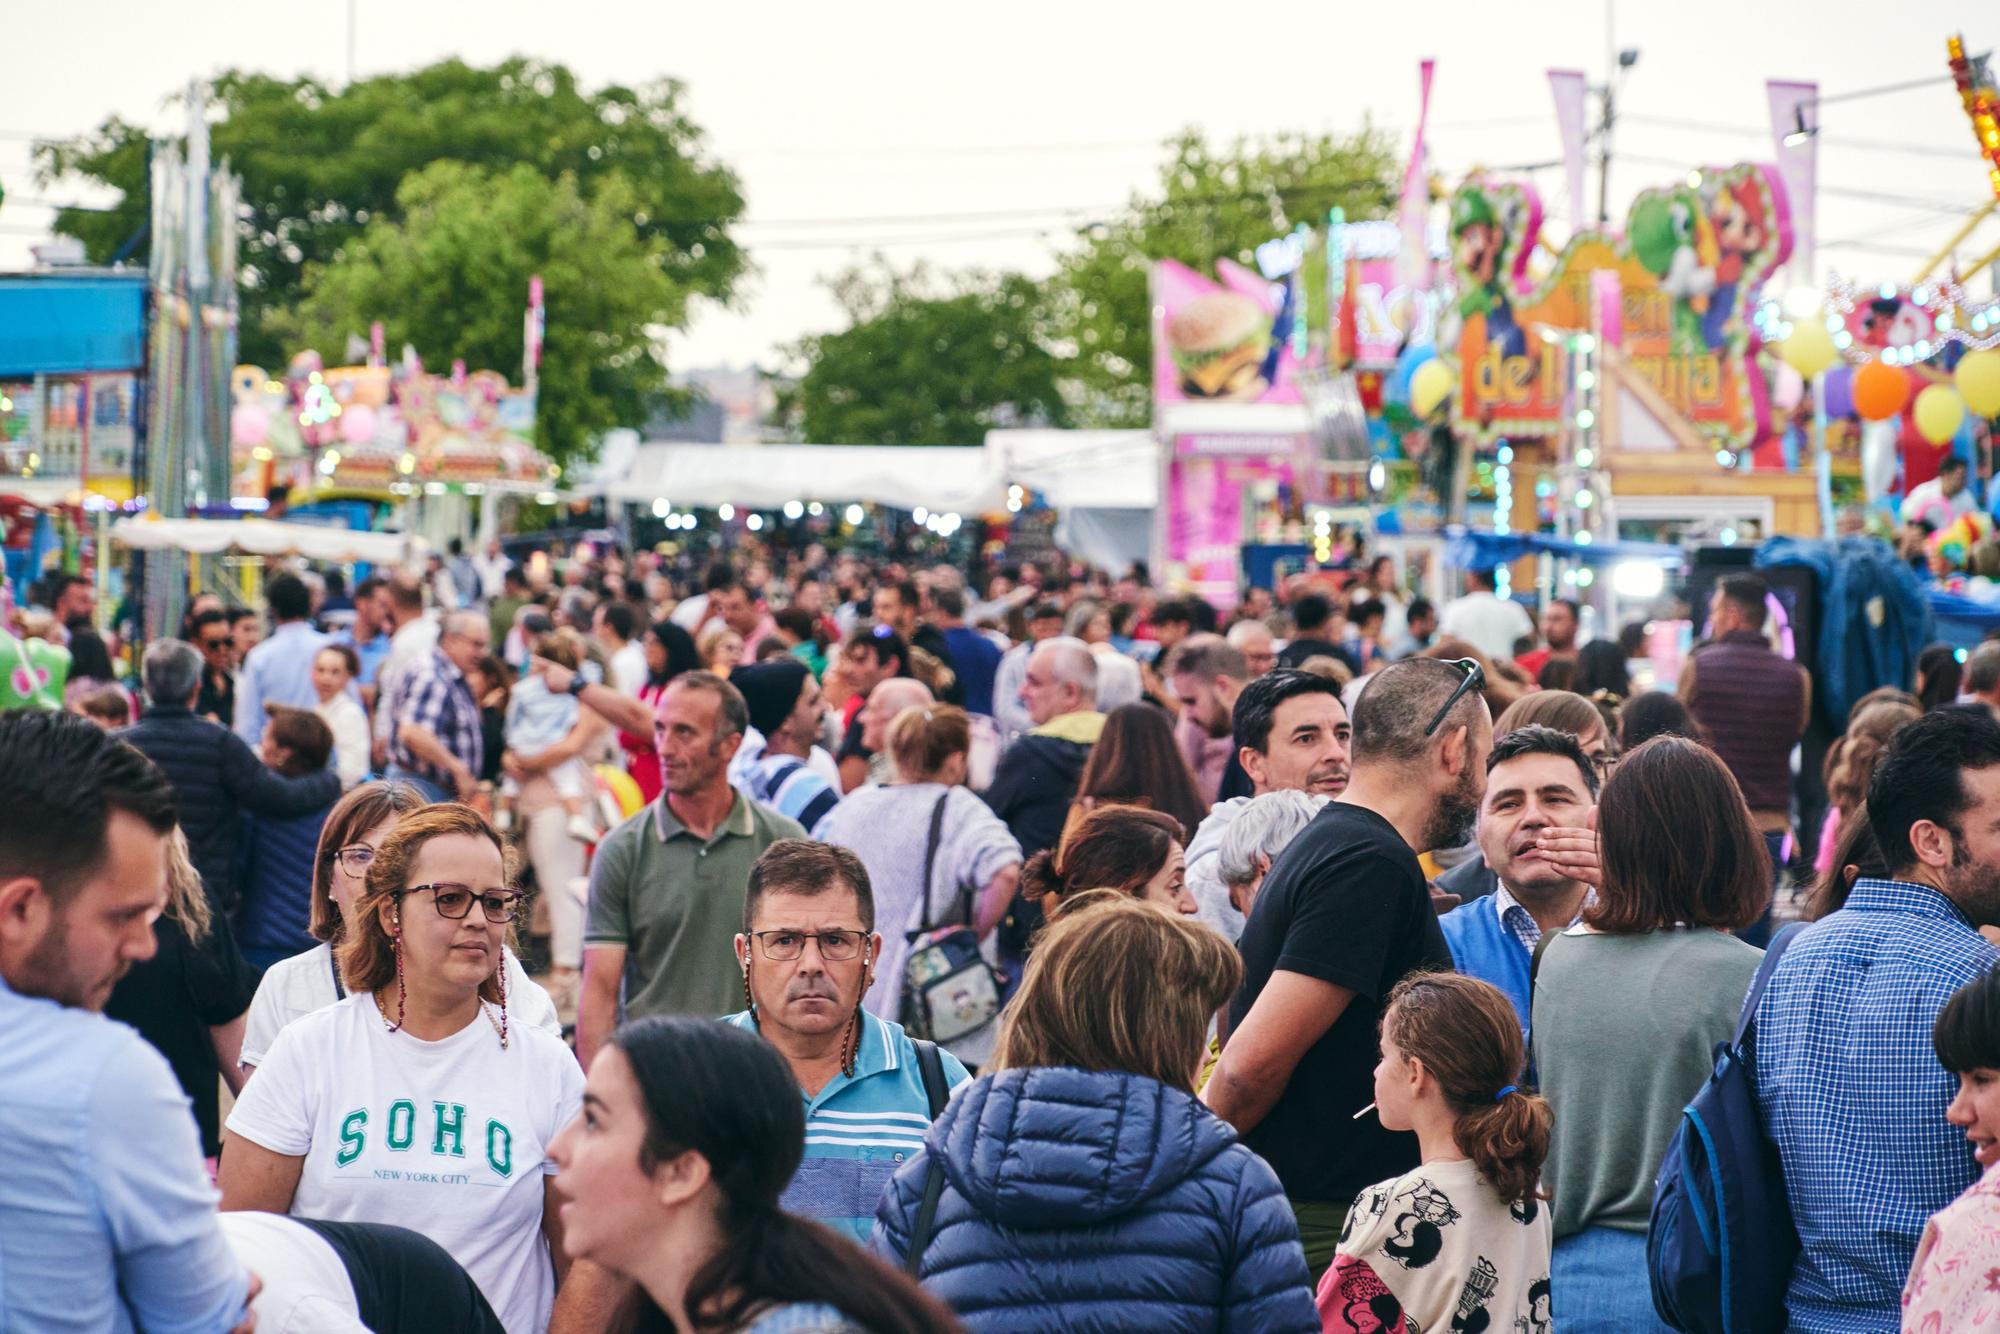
265,537
1082,469
940,478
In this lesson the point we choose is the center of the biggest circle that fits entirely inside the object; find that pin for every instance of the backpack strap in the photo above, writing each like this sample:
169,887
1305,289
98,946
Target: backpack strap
931,1065
1745,1036
930,863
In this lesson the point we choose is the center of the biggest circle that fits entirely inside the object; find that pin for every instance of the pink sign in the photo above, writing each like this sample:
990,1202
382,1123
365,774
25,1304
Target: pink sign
1206,512
1219,341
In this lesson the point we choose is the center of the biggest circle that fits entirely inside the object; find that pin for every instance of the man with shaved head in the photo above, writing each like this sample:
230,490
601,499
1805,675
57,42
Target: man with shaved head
1036,779
885,701
437,743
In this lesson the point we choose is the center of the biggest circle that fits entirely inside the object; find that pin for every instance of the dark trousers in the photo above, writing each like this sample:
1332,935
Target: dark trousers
404,1280
1758,933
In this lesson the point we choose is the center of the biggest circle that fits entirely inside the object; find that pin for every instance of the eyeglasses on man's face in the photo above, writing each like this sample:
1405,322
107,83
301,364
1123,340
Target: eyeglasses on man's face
454,902
836,945
1475,679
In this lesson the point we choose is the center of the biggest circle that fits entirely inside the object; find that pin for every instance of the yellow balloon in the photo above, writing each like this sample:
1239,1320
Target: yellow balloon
1810,349
1430,385
1939,410
1978,379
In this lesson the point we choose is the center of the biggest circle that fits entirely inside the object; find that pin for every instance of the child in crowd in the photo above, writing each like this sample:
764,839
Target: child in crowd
275,864
1463,1242
107,706
1951,1281
538,718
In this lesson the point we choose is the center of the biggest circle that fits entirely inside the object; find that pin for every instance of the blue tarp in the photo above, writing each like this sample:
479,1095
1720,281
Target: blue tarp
1469,550
67,324
1874,616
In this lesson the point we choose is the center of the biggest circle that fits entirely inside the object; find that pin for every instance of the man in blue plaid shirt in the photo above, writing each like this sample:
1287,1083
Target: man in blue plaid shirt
437,743
1850,1087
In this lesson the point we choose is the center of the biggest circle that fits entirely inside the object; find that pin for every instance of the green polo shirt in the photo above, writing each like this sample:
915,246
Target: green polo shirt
674,903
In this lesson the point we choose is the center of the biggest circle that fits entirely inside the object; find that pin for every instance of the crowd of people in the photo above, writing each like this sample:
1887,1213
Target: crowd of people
814,943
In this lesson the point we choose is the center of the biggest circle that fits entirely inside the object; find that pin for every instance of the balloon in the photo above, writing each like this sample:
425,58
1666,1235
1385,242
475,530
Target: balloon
1978,380
1880,390
1839,392
1810,349
1939,410
1789,388
357,424
1429,386
249,426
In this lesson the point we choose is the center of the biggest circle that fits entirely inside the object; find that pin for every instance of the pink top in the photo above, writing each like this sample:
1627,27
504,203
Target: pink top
1955,1283
1829,837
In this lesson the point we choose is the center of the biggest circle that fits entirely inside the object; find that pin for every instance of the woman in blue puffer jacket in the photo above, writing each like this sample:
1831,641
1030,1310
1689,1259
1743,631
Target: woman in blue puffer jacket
1083,1185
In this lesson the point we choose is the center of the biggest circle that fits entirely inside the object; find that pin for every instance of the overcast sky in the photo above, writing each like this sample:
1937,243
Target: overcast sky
978,135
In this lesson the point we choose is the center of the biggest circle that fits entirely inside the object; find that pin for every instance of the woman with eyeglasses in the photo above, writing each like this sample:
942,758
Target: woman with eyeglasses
419,1098
295,987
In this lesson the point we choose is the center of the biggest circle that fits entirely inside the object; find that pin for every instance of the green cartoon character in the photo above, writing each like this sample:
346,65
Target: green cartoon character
1672,238
1478,239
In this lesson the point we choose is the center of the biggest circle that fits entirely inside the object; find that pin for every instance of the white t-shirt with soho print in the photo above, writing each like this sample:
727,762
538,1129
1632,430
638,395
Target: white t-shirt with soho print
447,1137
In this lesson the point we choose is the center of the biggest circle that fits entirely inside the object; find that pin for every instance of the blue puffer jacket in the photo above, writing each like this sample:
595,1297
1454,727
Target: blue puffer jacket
1080,1200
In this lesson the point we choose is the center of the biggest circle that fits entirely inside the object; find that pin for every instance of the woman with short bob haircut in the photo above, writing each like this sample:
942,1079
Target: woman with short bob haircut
418,1097
1082,1183
294,987
1628,1007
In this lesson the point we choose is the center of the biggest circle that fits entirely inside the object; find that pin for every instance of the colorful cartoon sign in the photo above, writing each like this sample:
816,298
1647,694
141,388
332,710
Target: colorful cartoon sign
1688,269
1227,341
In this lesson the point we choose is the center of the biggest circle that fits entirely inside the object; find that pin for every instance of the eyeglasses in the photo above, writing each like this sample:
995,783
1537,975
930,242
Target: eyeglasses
454,902
355,859
1475,678
213,644
782,946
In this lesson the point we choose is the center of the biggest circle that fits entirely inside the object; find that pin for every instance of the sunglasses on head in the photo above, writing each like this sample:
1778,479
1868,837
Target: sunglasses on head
1475,679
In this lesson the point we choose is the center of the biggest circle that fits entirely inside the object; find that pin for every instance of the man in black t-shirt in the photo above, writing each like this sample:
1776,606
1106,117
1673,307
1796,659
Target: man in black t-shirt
1343,915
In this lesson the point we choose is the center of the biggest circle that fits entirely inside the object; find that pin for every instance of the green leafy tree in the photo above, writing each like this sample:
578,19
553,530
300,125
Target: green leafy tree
320,165
1209,204
449,276
926,362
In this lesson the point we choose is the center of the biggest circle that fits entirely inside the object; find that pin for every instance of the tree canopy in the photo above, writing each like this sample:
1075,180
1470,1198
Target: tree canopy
925,361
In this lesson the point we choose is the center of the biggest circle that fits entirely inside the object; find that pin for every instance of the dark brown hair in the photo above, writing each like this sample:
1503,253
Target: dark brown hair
1113,847
348,658
805,867
351,817
1854,847
1135,762
303,733
1467,1035
367,957
1677,844
1120,985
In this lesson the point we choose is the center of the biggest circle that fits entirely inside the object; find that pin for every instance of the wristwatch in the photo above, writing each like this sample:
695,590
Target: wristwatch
576,684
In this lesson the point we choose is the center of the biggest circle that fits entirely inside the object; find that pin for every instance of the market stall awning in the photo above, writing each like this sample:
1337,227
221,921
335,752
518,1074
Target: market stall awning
266,537
1468,550
70,323
946,479
1082,469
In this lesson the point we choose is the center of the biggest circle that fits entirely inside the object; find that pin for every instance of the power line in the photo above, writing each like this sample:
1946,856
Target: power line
1832,141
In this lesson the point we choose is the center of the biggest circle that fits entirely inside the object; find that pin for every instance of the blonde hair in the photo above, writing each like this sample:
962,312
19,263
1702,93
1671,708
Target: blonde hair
1116,984
187,901
923,737
367,955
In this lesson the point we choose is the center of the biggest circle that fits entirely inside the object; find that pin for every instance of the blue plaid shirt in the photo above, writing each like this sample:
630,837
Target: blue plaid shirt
433,694
1853,1094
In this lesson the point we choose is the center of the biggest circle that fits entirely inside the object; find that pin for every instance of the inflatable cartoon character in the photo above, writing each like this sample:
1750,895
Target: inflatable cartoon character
1478,239
1672,239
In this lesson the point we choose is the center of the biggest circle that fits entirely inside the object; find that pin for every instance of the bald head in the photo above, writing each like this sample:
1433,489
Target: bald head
1062,678
885,701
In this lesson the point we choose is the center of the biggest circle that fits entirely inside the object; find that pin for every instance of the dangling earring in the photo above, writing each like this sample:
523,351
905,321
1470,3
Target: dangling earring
749,1003
396,939
500,980
853,1045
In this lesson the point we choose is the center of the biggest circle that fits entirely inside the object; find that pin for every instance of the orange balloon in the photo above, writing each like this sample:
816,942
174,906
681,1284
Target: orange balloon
1880,390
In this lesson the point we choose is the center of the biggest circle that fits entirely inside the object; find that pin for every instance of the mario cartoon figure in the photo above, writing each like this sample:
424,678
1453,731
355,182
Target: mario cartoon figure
1478,239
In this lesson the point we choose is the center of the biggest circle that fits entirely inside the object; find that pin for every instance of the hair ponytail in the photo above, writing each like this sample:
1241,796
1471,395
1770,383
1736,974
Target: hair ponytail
1468,1037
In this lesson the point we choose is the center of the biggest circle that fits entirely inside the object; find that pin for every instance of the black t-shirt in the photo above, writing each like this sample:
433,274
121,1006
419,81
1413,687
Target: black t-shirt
404,1280
850,742
1346,903
176,996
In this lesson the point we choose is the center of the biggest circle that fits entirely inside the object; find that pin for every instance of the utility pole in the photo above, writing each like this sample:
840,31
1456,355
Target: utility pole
1616,62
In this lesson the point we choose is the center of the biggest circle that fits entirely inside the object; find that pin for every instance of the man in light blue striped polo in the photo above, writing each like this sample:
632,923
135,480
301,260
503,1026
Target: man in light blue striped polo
807,951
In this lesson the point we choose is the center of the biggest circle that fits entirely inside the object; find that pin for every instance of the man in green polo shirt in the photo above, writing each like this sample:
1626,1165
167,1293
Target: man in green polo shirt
667,887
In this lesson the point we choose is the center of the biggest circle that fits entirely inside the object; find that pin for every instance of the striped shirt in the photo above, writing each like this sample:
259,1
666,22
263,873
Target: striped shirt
789,787
859,1130
1854,1097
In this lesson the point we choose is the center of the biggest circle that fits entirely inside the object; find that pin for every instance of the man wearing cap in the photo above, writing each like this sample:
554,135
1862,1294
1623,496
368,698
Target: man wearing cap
786,707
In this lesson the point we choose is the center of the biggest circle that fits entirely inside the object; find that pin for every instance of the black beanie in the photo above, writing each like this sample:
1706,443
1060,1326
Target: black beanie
771,689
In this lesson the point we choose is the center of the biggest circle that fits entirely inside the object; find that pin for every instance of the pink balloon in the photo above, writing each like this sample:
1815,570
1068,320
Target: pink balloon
249,426
357,424
1788,390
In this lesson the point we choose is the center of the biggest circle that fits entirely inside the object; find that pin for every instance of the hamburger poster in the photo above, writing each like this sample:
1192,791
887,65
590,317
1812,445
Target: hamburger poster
1226,341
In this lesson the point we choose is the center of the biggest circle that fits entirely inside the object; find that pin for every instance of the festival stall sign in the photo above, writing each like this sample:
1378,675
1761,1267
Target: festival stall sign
1208,481
1222,342
1689,267
381,429
1382,314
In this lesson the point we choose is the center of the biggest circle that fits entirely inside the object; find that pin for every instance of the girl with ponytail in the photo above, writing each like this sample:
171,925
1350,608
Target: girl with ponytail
670,1179
1463,1242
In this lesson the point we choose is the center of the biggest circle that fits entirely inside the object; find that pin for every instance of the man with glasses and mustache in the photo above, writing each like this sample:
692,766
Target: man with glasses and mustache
1344,914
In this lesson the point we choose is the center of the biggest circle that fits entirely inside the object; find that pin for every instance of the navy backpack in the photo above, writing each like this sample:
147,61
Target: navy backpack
1721,1242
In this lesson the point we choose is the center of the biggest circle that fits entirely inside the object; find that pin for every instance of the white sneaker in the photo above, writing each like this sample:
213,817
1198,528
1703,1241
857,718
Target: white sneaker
581,829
